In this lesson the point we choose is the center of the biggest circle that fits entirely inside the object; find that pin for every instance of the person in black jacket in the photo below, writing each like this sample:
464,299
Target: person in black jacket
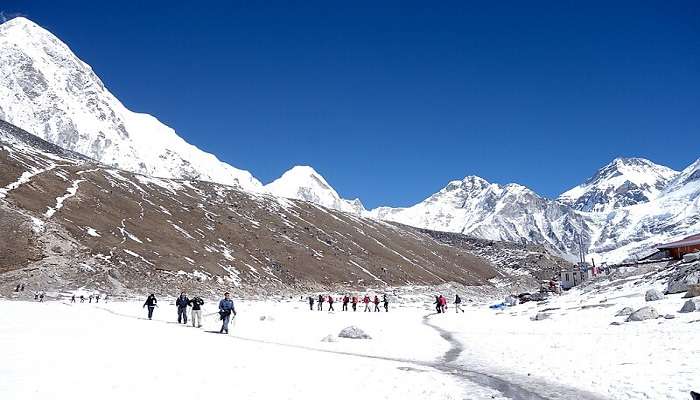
182,302
320,302
458,304
311,303
386,303
151,303
196,304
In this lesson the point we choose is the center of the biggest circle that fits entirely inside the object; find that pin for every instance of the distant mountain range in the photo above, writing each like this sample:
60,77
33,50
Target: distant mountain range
622,211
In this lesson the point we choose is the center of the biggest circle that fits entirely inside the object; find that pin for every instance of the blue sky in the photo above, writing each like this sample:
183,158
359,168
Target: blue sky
391,100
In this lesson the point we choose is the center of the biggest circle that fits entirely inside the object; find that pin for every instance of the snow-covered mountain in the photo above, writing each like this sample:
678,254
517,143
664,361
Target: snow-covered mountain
304,183
486,210
624,222
48,91
623,182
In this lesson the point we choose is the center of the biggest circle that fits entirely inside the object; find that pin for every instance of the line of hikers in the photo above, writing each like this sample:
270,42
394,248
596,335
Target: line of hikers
96,297
441,304
347,300
226,309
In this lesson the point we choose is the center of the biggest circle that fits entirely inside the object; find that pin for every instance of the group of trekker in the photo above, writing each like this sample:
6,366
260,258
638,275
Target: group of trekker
91,297
441,304
226,309
347,300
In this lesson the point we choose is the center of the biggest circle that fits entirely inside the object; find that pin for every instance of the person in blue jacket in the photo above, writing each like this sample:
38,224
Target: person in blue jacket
182,302
226,308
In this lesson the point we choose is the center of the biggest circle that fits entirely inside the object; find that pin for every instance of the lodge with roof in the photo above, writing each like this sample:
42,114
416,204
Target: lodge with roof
679,248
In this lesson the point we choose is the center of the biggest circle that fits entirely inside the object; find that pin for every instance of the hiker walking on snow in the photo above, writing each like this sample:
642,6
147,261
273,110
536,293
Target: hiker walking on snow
438,306
443,303
311,303
386,303
72,299
151,303
330,303
346,300
458,304
97,298
376,303
320,302
182,302
354,303
90,298
196,304
226,308
366,301
82,298
41,296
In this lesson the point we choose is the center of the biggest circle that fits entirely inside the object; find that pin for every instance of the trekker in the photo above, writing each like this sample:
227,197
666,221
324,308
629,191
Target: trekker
36,295
151,303
320,302
386,303
226,308
311,303
438,306
330,303
41,297
97,298
182,302
366,301
72,299
196,304
376,303
458,304
90,298
82,298
443,303
346,300
354,303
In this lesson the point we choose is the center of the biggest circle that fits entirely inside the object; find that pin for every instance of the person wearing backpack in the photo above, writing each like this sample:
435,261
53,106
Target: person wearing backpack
311,303
320,302
330,303
182,302
196,304
458,304
151,303
386,303
354,303
346,300
226,308
366,301
376,303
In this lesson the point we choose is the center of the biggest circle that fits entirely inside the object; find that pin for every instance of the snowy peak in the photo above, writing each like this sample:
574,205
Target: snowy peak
621,183
304,183
47,90
688,179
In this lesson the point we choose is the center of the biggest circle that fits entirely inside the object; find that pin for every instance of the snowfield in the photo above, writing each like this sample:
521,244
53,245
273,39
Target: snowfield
59,350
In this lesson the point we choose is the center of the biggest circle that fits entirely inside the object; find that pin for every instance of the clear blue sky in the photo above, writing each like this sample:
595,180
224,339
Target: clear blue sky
389,102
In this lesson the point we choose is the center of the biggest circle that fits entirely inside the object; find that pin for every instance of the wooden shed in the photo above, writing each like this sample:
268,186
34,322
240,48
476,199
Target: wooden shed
679,248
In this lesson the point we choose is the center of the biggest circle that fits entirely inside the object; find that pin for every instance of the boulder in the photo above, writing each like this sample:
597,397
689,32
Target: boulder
624,312
669,316
683,277
615,323
266,318
691,257
691,305
653,295
642,314
329,339
693,291
353,332
540,316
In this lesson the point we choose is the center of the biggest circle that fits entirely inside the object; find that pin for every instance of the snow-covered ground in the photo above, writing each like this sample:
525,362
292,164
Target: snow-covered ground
60,350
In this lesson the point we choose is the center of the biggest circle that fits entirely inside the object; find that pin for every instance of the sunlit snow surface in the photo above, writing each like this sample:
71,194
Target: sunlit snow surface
79,351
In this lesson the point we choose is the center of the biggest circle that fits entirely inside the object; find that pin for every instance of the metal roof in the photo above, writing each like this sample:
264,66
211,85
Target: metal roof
689,241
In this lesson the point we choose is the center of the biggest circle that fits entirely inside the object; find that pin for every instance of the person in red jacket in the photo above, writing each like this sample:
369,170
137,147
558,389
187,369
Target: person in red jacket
443,303
366,301
354,303
376,303
330,303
